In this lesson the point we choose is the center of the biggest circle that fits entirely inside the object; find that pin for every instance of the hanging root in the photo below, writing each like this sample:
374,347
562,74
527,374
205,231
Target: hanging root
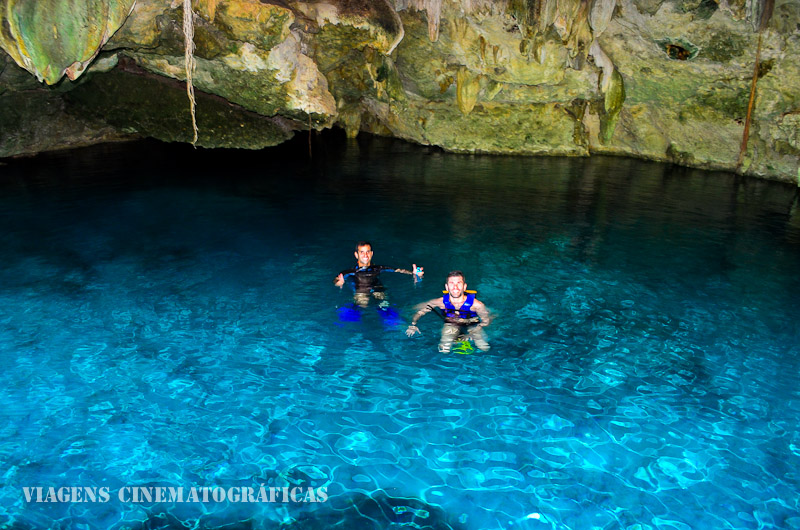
189,62
748,117
760,16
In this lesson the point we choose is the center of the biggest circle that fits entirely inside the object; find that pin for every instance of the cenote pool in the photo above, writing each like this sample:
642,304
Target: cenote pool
168,320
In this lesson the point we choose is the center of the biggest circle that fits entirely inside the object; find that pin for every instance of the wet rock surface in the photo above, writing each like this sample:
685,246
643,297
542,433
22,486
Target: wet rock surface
664,80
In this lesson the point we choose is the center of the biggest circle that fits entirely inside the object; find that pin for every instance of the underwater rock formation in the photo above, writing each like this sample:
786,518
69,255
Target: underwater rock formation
666,80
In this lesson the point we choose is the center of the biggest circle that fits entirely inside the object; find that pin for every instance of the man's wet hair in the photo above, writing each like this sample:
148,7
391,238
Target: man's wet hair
453,274
363,243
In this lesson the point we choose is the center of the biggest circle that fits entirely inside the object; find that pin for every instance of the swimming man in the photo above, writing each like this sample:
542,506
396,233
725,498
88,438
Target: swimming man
366,276
462,312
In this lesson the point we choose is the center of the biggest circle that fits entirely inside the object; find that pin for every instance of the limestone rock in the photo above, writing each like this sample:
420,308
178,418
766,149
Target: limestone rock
659,79
52,37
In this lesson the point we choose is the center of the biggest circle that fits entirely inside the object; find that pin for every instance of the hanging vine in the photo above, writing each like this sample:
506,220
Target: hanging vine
189,62
760,14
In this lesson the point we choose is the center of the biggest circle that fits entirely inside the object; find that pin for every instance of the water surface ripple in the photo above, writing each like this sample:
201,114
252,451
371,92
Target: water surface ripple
172,322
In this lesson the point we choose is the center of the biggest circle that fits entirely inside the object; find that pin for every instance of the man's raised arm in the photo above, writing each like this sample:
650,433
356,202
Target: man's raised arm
417,272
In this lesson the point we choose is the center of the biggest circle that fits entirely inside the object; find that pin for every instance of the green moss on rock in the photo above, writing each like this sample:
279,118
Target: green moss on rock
729,101
36,120
147,105
52,37
210,42
350,79
351,70
467,87
612,105
724,46
388,79
701,9
679,156
335,43
786,17
488,128
648,7
424,69
256,90
261,24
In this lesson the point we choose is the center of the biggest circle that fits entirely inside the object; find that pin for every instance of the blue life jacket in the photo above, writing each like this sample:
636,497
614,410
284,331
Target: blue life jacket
464,312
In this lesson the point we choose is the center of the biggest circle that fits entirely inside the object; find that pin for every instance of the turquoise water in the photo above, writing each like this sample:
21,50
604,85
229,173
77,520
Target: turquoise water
167,318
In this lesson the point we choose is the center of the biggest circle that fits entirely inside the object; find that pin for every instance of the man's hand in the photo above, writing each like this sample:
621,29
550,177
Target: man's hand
417,272
411,330
339,281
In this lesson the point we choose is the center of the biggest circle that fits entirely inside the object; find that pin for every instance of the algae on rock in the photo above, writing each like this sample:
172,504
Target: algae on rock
156,108
50,38
659,79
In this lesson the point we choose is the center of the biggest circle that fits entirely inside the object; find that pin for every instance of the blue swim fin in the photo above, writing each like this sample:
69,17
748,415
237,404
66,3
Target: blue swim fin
391,318
349,313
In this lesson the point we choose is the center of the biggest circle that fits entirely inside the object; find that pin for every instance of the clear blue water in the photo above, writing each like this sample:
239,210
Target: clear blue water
167,318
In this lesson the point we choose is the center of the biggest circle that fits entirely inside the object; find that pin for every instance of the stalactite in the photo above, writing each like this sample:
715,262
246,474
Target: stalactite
759,13
433,11
467,88
572,22
604,63
401,32
600,15
534,17
189,62
484,6
565,15
547,14
525,12
613,89
53,38
467,6
612,105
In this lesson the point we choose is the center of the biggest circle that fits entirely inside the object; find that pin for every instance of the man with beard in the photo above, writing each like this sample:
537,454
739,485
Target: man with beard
366,276
463,314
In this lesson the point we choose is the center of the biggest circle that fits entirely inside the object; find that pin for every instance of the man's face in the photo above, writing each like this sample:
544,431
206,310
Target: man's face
364,255
455,286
